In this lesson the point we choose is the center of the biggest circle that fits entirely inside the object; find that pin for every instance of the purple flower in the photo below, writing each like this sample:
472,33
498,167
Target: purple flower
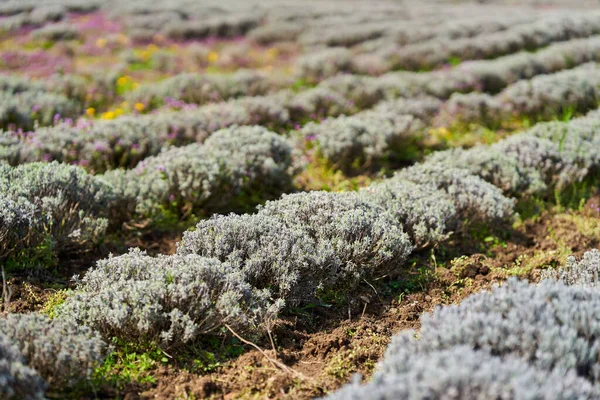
100,146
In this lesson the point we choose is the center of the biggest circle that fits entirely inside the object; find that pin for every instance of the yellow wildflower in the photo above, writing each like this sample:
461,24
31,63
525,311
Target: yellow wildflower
213,57
273,52
124,80
118,112
139,107
443,131
101,43
108,115
90,112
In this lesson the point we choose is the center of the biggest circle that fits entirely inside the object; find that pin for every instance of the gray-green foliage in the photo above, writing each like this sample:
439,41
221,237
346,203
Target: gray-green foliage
25,109
580,273
63,353
305,242
472,196
371,136
56,32
542,97
249,266
520,340
17,380
167,299
319,102
53,202
550,156
427,214
268,253
31,13
17,84
75,87
124,142
289,253
550,326
522,165
204,88
275,32
232,163
16,219
496,74
224,26
575,139
363,237
325,63
463,373
528,36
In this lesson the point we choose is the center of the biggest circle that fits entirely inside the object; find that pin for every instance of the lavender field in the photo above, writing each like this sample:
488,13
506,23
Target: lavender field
336,199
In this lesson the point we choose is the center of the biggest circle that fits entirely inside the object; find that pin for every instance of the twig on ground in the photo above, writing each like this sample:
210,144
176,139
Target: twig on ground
275,363
6,292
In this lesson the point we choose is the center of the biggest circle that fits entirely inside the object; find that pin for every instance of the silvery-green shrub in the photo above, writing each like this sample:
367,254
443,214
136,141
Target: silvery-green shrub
62,352
582,272
165,299
472,196
53,201
17,380
233,163
551,326
463,373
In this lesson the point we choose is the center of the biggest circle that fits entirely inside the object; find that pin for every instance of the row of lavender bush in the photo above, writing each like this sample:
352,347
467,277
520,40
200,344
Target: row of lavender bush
542,97
385,131
206,88
520,340
304,244
380,29
528,36
507,68
208,172
27,104
62,208
123,142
